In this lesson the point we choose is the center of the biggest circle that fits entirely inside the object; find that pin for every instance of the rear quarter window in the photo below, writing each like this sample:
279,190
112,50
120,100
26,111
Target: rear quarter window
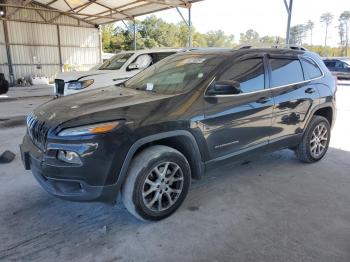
310,68
285,71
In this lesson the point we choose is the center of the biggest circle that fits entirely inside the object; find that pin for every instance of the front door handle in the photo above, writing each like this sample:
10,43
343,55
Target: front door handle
310,90
263,100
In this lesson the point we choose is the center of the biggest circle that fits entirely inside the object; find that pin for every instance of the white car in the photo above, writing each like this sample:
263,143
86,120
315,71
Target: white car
116,70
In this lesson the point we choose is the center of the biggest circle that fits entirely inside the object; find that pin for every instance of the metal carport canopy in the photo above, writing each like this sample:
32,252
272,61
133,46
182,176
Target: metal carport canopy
100,12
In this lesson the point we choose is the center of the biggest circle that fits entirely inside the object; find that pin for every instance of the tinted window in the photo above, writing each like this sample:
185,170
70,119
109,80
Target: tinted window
311,69
160,56
249,73
285,72
330,63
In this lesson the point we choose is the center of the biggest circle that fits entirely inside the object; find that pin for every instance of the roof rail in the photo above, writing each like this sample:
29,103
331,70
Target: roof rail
243,47
296,47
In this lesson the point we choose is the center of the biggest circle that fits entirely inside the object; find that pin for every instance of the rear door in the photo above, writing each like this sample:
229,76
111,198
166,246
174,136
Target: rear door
293,96
237,122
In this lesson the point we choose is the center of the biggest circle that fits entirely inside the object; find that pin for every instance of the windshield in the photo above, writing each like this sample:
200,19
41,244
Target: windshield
347,62
116,62
175,74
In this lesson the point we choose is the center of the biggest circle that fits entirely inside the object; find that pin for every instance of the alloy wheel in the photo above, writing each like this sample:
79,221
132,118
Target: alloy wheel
319,139
162,186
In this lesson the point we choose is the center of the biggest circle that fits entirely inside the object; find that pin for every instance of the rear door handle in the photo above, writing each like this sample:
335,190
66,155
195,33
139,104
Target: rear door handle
310,90
263,100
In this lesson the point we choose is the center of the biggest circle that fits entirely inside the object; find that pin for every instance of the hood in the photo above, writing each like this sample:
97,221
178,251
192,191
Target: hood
79,75
98,105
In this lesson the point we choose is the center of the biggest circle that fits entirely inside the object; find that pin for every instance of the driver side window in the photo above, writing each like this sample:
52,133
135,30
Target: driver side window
249,73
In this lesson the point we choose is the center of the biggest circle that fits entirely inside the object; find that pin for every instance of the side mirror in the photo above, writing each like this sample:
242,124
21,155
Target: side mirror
224,87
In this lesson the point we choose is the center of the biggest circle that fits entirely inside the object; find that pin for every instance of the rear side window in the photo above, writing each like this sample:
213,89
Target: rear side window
329,63
311,69
249,73
285,71
160,56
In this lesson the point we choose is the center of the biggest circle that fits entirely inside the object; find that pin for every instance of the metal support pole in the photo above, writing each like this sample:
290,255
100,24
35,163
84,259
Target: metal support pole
188,23
135,35
8,52
289,11
100,44
189,28
59,47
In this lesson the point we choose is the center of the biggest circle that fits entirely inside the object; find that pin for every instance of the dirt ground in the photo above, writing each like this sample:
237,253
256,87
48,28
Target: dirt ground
271,209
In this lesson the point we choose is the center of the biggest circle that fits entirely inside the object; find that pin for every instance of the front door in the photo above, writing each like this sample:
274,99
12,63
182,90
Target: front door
237,122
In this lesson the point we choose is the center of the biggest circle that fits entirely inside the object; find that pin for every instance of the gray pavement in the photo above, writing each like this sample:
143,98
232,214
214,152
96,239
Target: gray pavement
19,92
272,209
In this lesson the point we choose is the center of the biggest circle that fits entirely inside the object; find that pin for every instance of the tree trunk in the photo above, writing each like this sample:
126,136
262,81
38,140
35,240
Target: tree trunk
311,35
346,39
325,39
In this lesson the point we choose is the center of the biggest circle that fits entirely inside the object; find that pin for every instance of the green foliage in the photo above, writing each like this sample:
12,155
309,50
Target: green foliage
154,32
326,50
326,18
297,34
249,37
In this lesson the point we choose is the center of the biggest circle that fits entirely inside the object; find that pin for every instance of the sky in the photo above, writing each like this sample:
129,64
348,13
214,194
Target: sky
267,17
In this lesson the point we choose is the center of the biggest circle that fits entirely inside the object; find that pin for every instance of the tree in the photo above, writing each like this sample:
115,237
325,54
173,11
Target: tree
327,19
297,34
219,39
344,20
309,27
269,41
107,32
249,37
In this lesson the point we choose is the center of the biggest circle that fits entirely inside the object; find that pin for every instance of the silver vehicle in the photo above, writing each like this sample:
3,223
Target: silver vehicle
340,67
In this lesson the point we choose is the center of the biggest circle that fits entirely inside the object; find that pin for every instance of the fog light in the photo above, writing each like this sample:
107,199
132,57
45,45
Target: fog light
68,157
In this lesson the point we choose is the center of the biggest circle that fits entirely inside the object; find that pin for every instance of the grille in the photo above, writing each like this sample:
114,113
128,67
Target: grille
59,85
37,130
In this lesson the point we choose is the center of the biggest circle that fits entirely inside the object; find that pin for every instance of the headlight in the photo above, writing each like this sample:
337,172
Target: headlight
89,129
76,85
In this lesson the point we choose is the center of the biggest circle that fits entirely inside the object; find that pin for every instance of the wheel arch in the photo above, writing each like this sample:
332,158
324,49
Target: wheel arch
326,110
180,140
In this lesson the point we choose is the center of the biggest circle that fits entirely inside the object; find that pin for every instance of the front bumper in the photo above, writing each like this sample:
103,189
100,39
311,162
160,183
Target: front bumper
63,180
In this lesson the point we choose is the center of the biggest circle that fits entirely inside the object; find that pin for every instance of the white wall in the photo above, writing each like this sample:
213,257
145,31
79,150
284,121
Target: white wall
32,40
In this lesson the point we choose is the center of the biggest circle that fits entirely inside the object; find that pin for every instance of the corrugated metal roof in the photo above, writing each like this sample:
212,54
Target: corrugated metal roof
103,11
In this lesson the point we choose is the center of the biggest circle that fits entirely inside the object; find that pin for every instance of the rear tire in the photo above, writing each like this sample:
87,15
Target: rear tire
315,142
157,183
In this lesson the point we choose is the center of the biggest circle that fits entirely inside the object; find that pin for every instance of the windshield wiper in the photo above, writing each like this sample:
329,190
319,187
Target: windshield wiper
144,89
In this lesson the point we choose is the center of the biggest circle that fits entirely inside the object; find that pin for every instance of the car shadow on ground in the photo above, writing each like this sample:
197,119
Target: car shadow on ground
36,225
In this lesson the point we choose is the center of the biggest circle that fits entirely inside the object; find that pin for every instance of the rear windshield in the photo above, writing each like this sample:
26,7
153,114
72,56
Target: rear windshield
175,74
116,62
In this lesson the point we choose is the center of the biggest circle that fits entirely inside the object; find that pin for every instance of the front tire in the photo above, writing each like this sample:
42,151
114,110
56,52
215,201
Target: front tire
315,142
157,183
